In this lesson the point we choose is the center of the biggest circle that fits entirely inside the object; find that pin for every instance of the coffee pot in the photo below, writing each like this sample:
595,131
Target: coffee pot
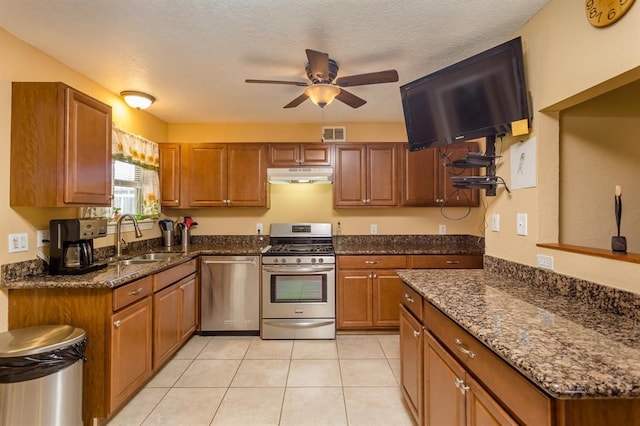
72,245
78,254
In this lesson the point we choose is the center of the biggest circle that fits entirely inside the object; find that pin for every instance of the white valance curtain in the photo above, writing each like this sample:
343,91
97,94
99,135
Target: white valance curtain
134,149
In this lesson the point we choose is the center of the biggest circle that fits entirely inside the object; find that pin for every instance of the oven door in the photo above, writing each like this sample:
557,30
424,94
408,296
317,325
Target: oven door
298,291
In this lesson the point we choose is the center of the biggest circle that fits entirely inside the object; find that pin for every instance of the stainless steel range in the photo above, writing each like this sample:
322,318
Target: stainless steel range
299,283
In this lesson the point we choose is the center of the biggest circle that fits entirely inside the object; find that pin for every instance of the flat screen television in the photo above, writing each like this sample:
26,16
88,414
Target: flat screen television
479,96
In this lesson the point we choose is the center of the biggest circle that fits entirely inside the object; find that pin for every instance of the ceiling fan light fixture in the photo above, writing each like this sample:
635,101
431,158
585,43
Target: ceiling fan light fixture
322,94
137,100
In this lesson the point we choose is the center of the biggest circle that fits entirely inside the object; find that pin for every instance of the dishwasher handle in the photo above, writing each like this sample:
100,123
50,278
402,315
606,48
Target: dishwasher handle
231,262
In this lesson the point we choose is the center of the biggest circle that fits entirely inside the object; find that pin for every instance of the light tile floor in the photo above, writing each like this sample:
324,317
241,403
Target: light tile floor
353,380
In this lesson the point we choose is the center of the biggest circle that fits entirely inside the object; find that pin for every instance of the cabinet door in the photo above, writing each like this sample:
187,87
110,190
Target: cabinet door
87,151
450,195
131,337
411,363
355,299
350,181
419,178
206,177
482,409
188,306
444,403
247,175
382,175
284,154
169,174
166,323
386,298
315,154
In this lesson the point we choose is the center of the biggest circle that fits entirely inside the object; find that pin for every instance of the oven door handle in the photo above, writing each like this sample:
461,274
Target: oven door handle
296,270
298,324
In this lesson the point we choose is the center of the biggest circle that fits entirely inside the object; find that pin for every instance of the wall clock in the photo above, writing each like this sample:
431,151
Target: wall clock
601,13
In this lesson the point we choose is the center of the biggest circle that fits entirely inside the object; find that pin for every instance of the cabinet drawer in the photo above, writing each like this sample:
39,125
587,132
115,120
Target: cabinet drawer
171,275
446,261
132,292
523,399
372,262
412,301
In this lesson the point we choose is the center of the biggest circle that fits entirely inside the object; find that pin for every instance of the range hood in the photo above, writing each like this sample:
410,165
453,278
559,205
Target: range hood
300,175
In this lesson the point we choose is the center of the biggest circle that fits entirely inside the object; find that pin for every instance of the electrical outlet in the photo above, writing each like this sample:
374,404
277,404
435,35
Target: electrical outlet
495,222
521,224
259,229
544,262
442,229
43,236
374,229
18,242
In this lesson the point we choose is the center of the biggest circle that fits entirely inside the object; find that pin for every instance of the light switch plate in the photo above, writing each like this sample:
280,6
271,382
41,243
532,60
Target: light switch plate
18,242
442,229
374,229
521,224
495,222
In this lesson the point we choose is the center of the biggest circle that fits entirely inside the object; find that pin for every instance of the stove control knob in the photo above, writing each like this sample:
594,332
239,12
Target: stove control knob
321,260
275,260
313,260
298,260
283,260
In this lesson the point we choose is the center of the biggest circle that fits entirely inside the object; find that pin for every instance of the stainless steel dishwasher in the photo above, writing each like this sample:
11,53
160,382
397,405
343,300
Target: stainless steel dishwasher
230,295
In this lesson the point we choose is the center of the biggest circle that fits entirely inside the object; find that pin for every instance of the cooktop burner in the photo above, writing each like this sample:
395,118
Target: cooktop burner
296,249
297,239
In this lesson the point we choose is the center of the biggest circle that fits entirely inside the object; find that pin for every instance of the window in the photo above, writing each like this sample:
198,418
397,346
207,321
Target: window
127,188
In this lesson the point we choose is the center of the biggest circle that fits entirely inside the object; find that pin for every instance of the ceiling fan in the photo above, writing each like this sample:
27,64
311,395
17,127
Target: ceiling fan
322,90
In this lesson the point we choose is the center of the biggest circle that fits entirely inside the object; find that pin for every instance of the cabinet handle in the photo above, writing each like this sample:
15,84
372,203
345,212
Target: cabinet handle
371,262
409,299
416,333
464,350
453,262
460,385
375,275
135,292
117,324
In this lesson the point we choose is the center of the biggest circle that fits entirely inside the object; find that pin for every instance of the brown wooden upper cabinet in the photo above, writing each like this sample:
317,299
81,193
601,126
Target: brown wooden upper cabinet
170,174
426,182
60,147
365,175
214,174
299,154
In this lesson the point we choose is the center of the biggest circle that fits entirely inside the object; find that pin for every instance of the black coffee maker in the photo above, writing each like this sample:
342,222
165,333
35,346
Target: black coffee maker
72,245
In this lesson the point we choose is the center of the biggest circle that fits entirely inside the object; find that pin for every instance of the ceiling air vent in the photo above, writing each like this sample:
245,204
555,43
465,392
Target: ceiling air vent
334,134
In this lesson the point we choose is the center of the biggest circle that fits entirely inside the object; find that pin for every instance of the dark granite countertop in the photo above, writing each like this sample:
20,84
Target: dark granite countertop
116,274
408,244
569,348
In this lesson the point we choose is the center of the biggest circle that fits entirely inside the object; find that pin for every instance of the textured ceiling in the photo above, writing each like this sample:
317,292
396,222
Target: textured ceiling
194,55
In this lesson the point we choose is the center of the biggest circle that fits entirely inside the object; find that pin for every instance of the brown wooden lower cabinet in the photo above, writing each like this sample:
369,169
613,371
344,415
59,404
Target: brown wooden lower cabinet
121,325
368,288
452,397
451,387
368,291
130,359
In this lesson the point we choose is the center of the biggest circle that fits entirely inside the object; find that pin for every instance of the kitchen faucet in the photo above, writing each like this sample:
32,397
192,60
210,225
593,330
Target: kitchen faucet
119,239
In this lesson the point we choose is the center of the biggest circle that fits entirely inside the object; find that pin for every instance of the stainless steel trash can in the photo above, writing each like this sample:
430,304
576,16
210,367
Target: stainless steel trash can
41,376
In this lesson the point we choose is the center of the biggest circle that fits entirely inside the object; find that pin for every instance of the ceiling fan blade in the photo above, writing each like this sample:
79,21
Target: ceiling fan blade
389,76
297,101
318,65
350,99
292,83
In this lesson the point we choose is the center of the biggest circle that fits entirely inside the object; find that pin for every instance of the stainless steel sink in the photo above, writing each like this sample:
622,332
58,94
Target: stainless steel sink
154,257
137,261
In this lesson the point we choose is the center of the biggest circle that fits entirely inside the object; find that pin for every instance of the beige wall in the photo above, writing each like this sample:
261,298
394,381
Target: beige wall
21,62
568,61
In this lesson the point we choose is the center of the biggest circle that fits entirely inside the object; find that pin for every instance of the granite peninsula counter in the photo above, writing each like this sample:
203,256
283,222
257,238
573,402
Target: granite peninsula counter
570,349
